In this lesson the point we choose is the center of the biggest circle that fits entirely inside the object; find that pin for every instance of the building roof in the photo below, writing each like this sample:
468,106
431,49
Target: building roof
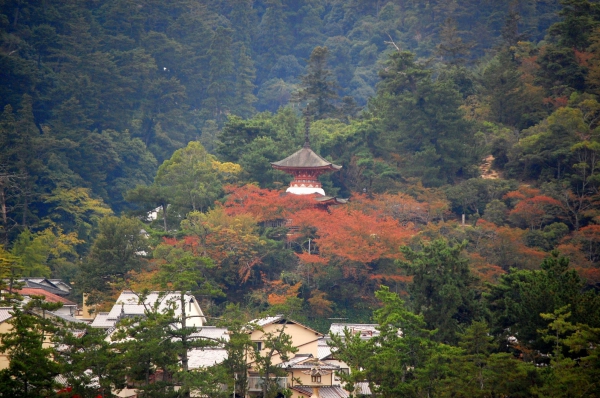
56,286
307,361
212,332
67,318
49,297
5,314
279,319
128,304
101,321
205,357
324,391
366,330
323,350
305,158
362,388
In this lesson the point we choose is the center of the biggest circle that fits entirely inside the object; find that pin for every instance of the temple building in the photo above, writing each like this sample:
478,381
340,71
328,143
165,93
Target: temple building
306,167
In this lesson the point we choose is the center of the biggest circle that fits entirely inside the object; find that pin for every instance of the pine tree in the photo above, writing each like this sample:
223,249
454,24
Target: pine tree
220,88
443,287
244,85
32,369
318,86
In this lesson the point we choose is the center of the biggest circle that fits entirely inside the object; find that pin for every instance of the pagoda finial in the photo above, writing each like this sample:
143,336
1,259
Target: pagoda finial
306,128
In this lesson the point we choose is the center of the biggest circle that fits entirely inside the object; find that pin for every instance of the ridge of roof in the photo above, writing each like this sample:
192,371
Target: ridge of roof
272,319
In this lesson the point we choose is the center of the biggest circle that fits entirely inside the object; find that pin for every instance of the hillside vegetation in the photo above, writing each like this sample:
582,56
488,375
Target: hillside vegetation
163,117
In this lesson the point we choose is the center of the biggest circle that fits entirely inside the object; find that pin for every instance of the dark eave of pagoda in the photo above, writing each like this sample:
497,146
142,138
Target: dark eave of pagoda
305,158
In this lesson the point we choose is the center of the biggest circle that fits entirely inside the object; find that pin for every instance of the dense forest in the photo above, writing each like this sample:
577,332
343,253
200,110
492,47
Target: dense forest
138,135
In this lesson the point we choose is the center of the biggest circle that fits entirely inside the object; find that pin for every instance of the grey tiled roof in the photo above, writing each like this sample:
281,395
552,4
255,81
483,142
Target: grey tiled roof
205,357
67,318
325,391
305,157
212,332
333,392
323,350
362,388
5,314
366,330
102,321
295,360
266,321
129,302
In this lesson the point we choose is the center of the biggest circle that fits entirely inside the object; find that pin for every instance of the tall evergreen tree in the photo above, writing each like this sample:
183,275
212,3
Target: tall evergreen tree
220,88
443,288
318,86
245,76
422,129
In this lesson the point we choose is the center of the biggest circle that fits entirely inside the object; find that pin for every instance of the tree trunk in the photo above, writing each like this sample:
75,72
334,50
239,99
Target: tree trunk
164,207
184,341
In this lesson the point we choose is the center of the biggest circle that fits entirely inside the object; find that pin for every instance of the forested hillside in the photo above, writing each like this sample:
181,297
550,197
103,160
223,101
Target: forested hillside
163,117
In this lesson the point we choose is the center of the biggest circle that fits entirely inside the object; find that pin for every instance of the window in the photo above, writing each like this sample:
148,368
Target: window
258,345
316,378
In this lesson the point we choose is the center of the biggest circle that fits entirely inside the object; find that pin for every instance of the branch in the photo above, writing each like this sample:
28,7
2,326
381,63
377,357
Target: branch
392,42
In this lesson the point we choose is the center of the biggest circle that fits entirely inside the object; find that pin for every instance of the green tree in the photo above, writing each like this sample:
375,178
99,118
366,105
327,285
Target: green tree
478,372
88,360
183,273
318,87
443,288
46,253
220,91
194,178
32,370
421,127
519,298
574,364
119,248
239,344
580,17
390,361
274,343
244,86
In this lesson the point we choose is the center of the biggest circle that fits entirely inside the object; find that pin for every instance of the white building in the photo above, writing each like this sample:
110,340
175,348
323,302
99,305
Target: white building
130,304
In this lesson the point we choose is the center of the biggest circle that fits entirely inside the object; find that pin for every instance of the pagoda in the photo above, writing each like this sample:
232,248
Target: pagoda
306,167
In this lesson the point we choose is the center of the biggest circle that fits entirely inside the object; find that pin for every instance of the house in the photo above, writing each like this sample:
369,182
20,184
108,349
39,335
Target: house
54,286
6,314
5,327
303,338
208,356
69,308
129,305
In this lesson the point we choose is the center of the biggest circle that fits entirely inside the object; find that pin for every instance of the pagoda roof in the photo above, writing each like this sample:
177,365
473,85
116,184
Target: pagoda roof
305,158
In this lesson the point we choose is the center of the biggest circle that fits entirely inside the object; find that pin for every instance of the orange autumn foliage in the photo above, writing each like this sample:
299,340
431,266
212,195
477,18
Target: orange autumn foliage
319,304
483,270
311,258
264,204
505,247
354,235
531,208
402,207
231,241
279,292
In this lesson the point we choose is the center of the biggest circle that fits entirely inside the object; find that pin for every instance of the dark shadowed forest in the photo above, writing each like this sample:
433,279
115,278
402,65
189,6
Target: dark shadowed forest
136,139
